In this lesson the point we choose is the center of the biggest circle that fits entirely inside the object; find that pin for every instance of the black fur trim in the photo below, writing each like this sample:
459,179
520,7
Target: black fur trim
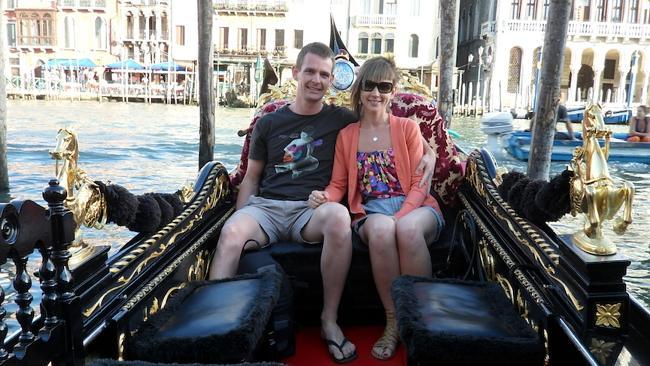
174,201
166,210
147,217
122,204
428,348
110,362
537,200
236,346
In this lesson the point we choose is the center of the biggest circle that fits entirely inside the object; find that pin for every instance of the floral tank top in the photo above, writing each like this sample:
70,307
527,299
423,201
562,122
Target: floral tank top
377,175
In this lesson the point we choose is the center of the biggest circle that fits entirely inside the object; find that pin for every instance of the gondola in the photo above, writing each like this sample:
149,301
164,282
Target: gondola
518,292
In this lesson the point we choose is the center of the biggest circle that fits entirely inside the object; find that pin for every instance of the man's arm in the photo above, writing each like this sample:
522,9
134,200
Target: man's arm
251,182
427,164
569,129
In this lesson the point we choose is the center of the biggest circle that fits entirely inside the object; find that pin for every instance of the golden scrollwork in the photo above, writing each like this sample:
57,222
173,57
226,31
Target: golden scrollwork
592,189
198,270
506,286
487,260
601,349
169,293
608,315
151,310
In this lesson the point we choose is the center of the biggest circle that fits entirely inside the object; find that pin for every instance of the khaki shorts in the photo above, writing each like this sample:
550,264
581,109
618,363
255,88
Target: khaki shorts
279,219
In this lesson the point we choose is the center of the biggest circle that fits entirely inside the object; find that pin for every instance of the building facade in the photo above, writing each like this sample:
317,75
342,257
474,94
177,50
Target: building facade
143,32
38,31
606,57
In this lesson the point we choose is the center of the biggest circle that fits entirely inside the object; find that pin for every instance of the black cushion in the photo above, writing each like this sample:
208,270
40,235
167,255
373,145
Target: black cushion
209,321
453,322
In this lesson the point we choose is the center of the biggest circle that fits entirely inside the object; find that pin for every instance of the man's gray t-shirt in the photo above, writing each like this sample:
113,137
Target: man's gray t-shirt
298,150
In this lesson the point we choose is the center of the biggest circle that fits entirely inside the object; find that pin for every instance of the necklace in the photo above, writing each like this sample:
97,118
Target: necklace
375,139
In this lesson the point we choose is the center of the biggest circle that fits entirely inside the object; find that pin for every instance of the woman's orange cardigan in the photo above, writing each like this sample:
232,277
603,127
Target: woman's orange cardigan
407,145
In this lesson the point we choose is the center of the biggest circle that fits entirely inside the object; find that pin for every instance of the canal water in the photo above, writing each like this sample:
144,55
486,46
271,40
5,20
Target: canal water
154,148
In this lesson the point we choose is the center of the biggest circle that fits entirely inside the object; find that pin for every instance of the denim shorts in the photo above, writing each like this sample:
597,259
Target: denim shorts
389,207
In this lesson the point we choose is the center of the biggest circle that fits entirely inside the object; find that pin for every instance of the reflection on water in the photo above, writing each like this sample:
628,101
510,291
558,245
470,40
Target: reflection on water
154,148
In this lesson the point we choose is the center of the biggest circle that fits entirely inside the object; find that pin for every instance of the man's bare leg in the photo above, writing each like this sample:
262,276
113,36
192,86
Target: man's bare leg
331,224
236,231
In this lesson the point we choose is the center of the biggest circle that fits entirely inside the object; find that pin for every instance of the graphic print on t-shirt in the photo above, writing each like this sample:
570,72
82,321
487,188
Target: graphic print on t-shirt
298,155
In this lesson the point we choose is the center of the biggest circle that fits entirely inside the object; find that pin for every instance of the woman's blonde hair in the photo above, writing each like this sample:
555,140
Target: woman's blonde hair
375,69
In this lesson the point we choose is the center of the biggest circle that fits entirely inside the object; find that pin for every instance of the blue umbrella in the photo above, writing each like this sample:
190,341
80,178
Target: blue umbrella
166,66
126,64
69,63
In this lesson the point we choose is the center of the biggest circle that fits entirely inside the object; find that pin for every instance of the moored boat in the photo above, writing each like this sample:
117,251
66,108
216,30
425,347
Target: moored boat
518,145
611,116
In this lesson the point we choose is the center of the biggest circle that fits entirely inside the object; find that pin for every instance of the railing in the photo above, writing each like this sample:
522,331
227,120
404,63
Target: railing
578,28
35,41
379,20
251,5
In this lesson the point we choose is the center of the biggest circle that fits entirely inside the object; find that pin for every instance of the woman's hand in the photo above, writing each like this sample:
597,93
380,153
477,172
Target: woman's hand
427,166
317,198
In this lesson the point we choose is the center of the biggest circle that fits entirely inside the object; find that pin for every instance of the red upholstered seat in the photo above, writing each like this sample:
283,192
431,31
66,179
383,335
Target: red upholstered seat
450,165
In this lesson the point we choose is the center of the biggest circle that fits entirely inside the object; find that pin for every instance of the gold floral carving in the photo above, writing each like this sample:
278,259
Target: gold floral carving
608,315
601,349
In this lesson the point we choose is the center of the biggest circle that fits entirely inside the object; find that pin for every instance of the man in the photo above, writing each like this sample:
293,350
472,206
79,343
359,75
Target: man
562,116
291,154
639,126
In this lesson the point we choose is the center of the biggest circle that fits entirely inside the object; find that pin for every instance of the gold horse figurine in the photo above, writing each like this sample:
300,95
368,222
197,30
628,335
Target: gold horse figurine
592,189
84,199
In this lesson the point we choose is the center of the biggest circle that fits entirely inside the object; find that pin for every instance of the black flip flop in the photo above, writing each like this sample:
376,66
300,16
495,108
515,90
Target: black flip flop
347,359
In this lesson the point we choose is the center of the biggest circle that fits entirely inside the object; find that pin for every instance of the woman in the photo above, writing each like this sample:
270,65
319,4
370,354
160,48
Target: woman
639,126
375,164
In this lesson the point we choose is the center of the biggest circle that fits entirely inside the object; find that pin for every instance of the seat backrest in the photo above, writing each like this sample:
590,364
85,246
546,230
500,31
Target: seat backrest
450,166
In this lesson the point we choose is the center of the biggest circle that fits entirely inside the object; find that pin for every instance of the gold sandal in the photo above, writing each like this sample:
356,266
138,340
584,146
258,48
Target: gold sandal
388,341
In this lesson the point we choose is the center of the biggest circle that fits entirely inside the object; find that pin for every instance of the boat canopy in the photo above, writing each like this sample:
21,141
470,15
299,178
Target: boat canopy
69,63
129,64
166,66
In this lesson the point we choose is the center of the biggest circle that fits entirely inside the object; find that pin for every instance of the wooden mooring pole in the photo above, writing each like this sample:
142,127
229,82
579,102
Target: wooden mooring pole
206,96
4,174
448,43
539,161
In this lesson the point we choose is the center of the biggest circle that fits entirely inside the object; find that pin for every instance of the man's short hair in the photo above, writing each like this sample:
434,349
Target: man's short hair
319,49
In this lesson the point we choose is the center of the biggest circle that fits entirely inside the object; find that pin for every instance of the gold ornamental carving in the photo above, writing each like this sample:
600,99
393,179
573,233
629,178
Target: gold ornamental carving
601,349
608,315
592,189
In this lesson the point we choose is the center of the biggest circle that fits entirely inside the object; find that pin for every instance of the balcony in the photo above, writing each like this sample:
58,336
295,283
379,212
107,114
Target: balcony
82,4
251,7
582,29
375,20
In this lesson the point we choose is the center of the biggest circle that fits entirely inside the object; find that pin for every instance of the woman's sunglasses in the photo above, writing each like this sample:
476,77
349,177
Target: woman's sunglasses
384,87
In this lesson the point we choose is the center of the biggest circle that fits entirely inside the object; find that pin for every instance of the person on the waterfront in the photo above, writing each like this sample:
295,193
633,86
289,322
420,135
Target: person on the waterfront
639,126
562,116
375,164
291,154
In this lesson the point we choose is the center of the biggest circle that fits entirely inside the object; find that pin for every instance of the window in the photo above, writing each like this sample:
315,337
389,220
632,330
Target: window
242,42
180,35
101,40
413,45
69,32
11,34
390,7
546,5
366,6
634,11
223,37
375,43
514,70
261,39
617,11
363,43
297,38
515,7
415,7
601,11
279,38
389,43
530,8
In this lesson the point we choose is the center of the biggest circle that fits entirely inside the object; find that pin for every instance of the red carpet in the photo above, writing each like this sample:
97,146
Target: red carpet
311,350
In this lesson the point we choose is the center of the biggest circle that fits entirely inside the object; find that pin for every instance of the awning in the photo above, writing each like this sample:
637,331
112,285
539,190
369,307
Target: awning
69,63
126,64
166,66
